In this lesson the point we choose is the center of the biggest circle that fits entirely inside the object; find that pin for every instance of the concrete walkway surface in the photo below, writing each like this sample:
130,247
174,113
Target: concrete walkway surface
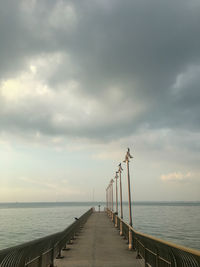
99,245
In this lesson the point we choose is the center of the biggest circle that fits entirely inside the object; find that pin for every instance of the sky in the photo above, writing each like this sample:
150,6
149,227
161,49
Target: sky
81,81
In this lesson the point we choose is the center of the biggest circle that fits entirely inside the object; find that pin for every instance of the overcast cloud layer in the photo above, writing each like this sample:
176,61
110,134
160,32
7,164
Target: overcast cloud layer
104,71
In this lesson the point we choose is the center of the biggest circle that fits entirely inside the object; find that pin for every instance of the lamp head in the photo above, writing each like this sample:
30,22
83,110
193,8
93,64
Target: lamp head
120,168
128,156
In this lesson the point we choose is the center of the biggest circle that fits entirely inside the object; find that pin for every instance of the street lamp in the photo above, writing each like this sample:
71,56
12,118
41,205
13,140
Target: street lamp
116,177
127,157
109,199
111,185
106,199
121,207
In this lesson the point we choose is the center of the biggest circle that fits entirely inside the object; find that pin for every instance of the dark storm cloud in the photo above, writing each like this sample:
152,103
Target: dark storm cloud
141,46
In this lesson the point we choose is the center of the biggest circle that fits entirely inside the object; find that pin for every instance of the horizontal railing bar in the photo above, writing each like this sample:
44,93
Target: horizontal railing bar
36,258
162,259
44,253
153,253
140,243
171,244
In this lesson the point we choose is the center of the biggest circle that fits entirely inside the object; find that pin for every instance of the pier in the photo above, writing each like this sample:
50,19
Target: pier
99,239
99,244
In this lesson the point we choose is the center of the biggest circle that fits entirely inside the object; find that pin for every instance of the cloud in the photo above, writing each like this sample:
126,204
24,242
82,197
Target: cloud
28,103
101,71
39,189
177,177
100,76
59,185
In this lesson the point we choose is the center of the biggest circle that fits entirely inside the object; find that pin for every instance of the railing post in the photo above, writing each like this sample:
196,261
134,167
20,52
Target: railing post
40,261
157,259
59,256
145,257
52,257
65,248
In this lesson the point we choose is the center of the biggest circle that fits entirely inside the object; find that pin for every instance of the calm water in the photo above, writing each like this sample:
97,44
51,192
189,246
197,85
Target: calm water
176,222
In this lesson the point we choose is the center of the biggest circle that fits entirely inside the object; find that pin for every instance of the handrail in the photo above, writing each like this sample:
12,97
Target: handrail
186,249
157,252
41,252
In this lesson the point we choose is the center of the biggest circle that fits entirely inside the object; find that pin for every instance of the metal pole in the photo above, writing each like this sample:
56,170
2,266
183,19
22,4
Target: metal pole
111,182
116,177
121,207
109,196
106,199
112,193
129,195
108,191
127,157
120,184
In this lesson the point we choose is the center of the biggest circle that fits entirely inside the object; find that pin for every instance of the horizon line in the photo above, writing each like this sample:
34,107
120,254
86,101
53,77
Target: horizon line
103,201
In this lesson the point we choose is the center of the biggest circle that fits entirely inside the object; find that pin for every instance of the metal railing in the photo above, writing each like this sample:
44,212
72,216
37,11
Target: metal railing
157,252
41,252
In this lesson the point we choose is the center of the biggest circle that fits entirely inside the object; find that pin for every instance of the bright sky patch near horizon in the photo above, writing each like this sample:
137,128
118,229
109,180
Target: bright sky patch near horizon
80,81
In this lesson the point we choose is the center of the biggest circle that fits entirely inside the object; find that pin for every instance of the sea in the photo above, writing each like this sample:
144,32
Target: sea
177,222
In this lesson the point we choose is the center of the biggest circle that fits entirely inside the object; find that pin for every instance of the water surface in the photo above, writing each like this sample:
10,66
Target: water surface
175,222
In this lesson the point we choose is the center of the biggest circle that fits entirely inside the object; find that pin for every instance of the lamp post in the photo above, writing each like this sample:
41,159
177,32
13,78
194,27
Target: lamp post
109,200
116,177
111,185
106,199
127,157
121,207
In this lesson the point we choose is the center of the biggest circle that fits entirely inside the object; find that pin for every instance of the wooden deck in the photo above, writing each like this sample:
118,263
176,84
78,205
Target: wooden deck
99,245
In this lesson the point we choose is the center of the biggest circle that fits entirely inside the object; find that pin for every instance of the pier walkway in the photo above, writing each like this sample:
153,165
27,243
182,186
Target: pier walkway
99,245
